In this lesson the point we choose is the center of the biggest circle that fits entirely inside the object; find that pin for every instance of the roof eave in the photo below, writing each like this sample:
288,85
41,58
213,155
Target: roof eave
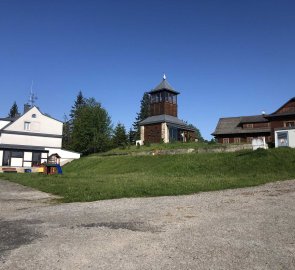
164,89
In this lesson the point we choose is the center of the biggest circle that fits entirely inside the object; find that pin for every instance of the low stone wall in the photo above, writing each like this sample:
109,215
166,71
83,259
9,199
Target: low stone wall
219,149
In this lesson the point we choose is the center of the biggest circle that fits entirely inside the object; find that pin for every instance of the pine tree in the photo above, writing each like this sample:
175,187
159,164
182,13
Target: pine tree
143,114
131,136
66,134
69,123
79,102
120,138
13,111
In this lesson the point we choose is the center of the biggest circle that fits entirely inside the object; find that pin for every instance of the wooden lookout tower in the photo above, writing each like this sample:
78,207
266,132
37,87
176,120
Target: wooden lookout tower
163,124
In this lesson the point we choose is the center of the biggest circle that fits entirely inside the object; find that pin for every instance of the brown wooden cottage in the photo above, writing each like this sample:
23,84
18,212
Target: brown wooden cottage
163,125
243,129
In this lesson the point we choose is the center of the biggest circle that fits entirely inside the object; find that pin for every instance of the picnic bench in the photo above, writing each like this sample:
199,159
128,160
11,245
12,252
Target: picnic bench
9,170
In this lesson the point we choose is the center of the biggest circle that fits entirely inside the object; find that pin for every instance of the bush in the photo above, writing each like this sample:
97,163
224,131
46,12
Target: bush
147,143
271,145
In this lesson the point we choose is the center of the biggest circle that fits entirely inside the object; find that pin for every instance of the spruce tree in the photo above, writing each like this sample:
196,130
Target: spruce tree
13,111
79,102
120,138
131,136
143,114
66,134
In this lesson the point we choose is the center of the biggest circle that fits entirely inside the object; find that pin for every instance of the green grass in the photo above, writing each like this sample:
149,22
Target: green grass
96,177
159,146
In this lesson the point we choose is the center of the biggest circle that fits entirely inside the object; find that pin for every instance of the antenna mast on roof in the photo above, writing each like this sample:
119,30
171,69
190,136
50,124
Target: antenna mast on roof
33,97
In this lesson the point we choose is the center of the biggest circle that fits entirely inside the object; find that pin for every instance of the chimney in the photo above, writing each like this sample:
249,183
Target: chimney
27,107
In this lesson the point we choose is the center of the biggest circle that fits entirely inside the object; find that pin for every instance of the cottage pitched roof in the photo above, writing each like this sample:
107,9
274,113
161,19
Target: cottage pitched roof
164,85
291,110
253,119
164,118
10,120
231,125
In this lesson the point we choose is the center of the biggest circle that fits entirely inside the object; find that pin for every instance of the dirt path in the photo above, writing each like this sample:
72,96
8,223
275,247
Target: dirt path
252,228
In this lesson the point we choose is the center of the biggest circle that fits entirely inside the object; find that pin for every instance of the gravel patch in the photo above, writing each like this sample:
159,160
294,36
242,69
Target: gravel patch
250,228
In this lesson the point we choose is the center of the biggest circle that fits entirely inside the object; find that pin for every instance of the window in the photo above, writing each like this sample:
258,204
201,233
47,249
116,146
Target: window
27,126
34,115
237,140
17,154
249,139
282,139
249,125
36,160
173,134
174,99
289,124
6,158
157,97
9,155
166,96
225,140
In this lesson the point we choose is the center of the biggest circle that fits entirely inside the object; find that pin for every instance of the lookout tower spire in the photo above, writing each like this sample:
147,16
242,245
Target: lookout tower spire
163,99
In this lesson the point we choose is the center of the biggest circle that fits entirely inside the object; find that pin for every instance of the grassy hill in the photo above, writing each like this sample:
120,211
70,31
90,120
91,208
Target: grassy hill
162,146
96,177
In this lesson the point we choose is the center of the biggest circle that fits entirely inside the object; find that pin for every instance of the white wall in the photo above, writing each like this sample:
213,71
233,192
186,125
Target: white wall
66,156
30,140
27,164
291,137
142,133
1,157
28,156
3,123
165,133
16,162
40,124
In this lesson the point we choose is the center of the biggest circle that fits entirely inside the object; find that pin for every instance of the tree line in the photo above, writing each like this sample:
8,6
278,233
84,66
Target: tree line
89,129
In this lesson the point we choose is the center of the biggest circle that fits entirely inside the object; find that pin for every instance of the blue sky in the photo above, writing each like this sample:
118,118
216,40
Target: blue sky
227,58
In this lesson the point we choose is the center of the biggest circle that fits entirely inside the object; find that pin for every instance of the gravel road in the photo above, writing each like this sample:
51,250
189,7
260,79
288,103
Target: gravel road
251,228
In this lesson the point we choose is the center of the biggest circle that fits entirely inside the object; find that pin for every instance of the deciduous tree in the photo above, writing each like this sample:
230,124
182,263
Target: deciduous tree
91,128
198,133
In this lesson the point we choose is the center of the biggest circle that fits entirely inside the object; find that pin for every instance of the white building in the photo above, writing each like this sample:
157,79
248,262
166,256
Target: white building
28,140
285,137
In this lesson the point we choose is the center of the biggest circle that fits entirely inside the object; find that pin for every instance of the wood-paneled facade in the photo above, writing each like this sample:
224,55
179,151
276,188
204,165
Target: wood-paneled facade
153,133
163,107
244,129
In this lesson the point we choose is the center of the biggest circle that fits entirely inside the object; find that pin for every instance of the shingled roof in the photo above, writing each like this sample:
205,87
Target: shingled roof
290,111
253,119
164,118
164,85
232,125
